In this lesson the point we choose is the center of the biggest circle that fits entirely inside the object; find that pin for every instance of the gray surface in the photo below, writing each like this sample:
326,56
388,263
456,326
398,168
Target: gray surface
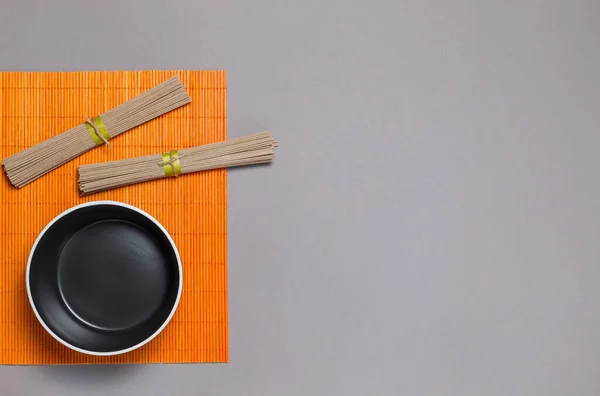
431,224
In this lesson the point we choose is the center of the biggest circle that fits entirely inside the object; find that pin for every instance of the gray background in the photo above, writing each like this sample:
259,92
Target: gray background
431,223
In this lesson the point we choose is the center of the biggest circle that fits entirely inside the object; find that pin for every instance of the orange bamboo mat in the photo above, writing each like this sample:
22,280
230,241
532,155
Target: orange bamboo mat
34,107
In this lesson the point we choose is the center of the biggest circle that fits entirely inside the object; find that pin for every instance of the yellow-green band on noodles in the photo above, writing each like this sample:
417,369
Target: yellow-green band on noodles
97,128
171,164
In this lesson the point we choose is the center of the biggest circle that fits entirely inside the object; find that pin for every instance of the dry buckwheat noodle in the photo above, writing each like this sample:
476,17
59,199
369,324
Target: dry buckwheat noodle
35,161
249,150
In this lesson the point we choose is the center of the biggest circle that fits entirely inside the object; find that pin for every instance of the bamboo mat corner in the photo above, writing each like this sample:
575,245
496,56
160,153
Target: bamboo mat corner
193,208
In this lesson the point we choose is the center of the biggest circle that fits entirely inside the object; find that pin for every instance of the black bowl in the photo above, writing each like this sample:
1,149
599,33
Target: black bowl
104,278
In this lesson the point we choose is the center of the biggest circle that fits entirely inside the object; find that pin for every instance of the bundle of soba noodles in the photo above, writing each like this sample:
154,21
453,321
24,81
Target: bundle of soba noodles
248,150
26,166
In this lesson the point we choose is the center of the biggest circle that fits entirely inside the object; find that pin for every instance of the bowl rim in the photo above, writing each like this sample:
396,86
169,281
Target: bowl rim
97,203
